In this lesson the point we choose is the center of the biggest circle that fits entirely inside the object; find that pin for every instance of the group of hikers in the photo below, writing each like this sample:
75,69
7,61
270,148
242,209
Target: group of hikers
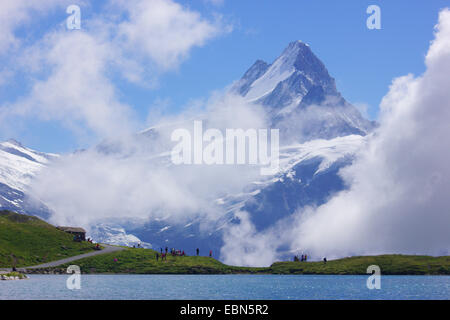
175,253
303,258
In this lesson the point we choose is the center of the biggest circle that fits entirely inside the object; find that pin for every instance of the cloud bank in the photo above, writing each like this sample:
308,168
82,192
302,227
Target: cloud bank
133,178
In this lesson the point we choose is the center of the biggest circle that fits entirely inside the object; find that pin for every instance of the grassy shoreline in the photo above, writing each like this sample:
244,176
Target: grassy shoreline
143,261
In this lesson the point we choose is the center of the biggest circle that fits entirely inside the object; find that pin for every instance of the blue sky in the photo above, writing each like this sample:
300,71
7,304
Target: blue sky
362,61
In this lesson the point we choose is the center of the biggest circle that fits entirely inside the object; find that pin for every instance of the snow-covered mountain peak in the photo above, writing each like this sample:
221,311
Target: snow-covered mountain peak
295,48
287,80
18,166
301,96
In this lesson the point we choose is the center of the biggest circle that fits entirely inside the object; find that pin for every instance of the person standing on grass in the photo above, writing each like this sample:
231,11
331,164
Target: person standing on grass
157,256
210,253
198,251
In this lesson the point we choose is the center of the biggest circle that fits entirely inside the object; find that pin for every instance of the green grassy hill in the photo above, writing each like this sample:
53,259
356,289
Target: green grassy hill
33,241
389,264
143,261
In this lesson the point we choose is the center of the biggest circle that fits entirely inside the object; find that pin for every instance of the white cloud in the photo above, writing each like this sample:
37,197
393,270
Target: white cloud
164,31
243,245
131,177
19,13
77,91
73,74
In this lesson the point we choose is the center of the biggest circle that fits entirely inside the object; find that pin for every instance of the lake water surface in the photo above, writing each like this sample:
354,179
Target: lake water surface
273,287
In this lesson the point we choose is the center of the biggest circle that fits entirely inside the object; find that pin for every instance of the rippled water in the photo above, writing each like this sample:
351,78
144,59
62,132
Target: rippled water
137,287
